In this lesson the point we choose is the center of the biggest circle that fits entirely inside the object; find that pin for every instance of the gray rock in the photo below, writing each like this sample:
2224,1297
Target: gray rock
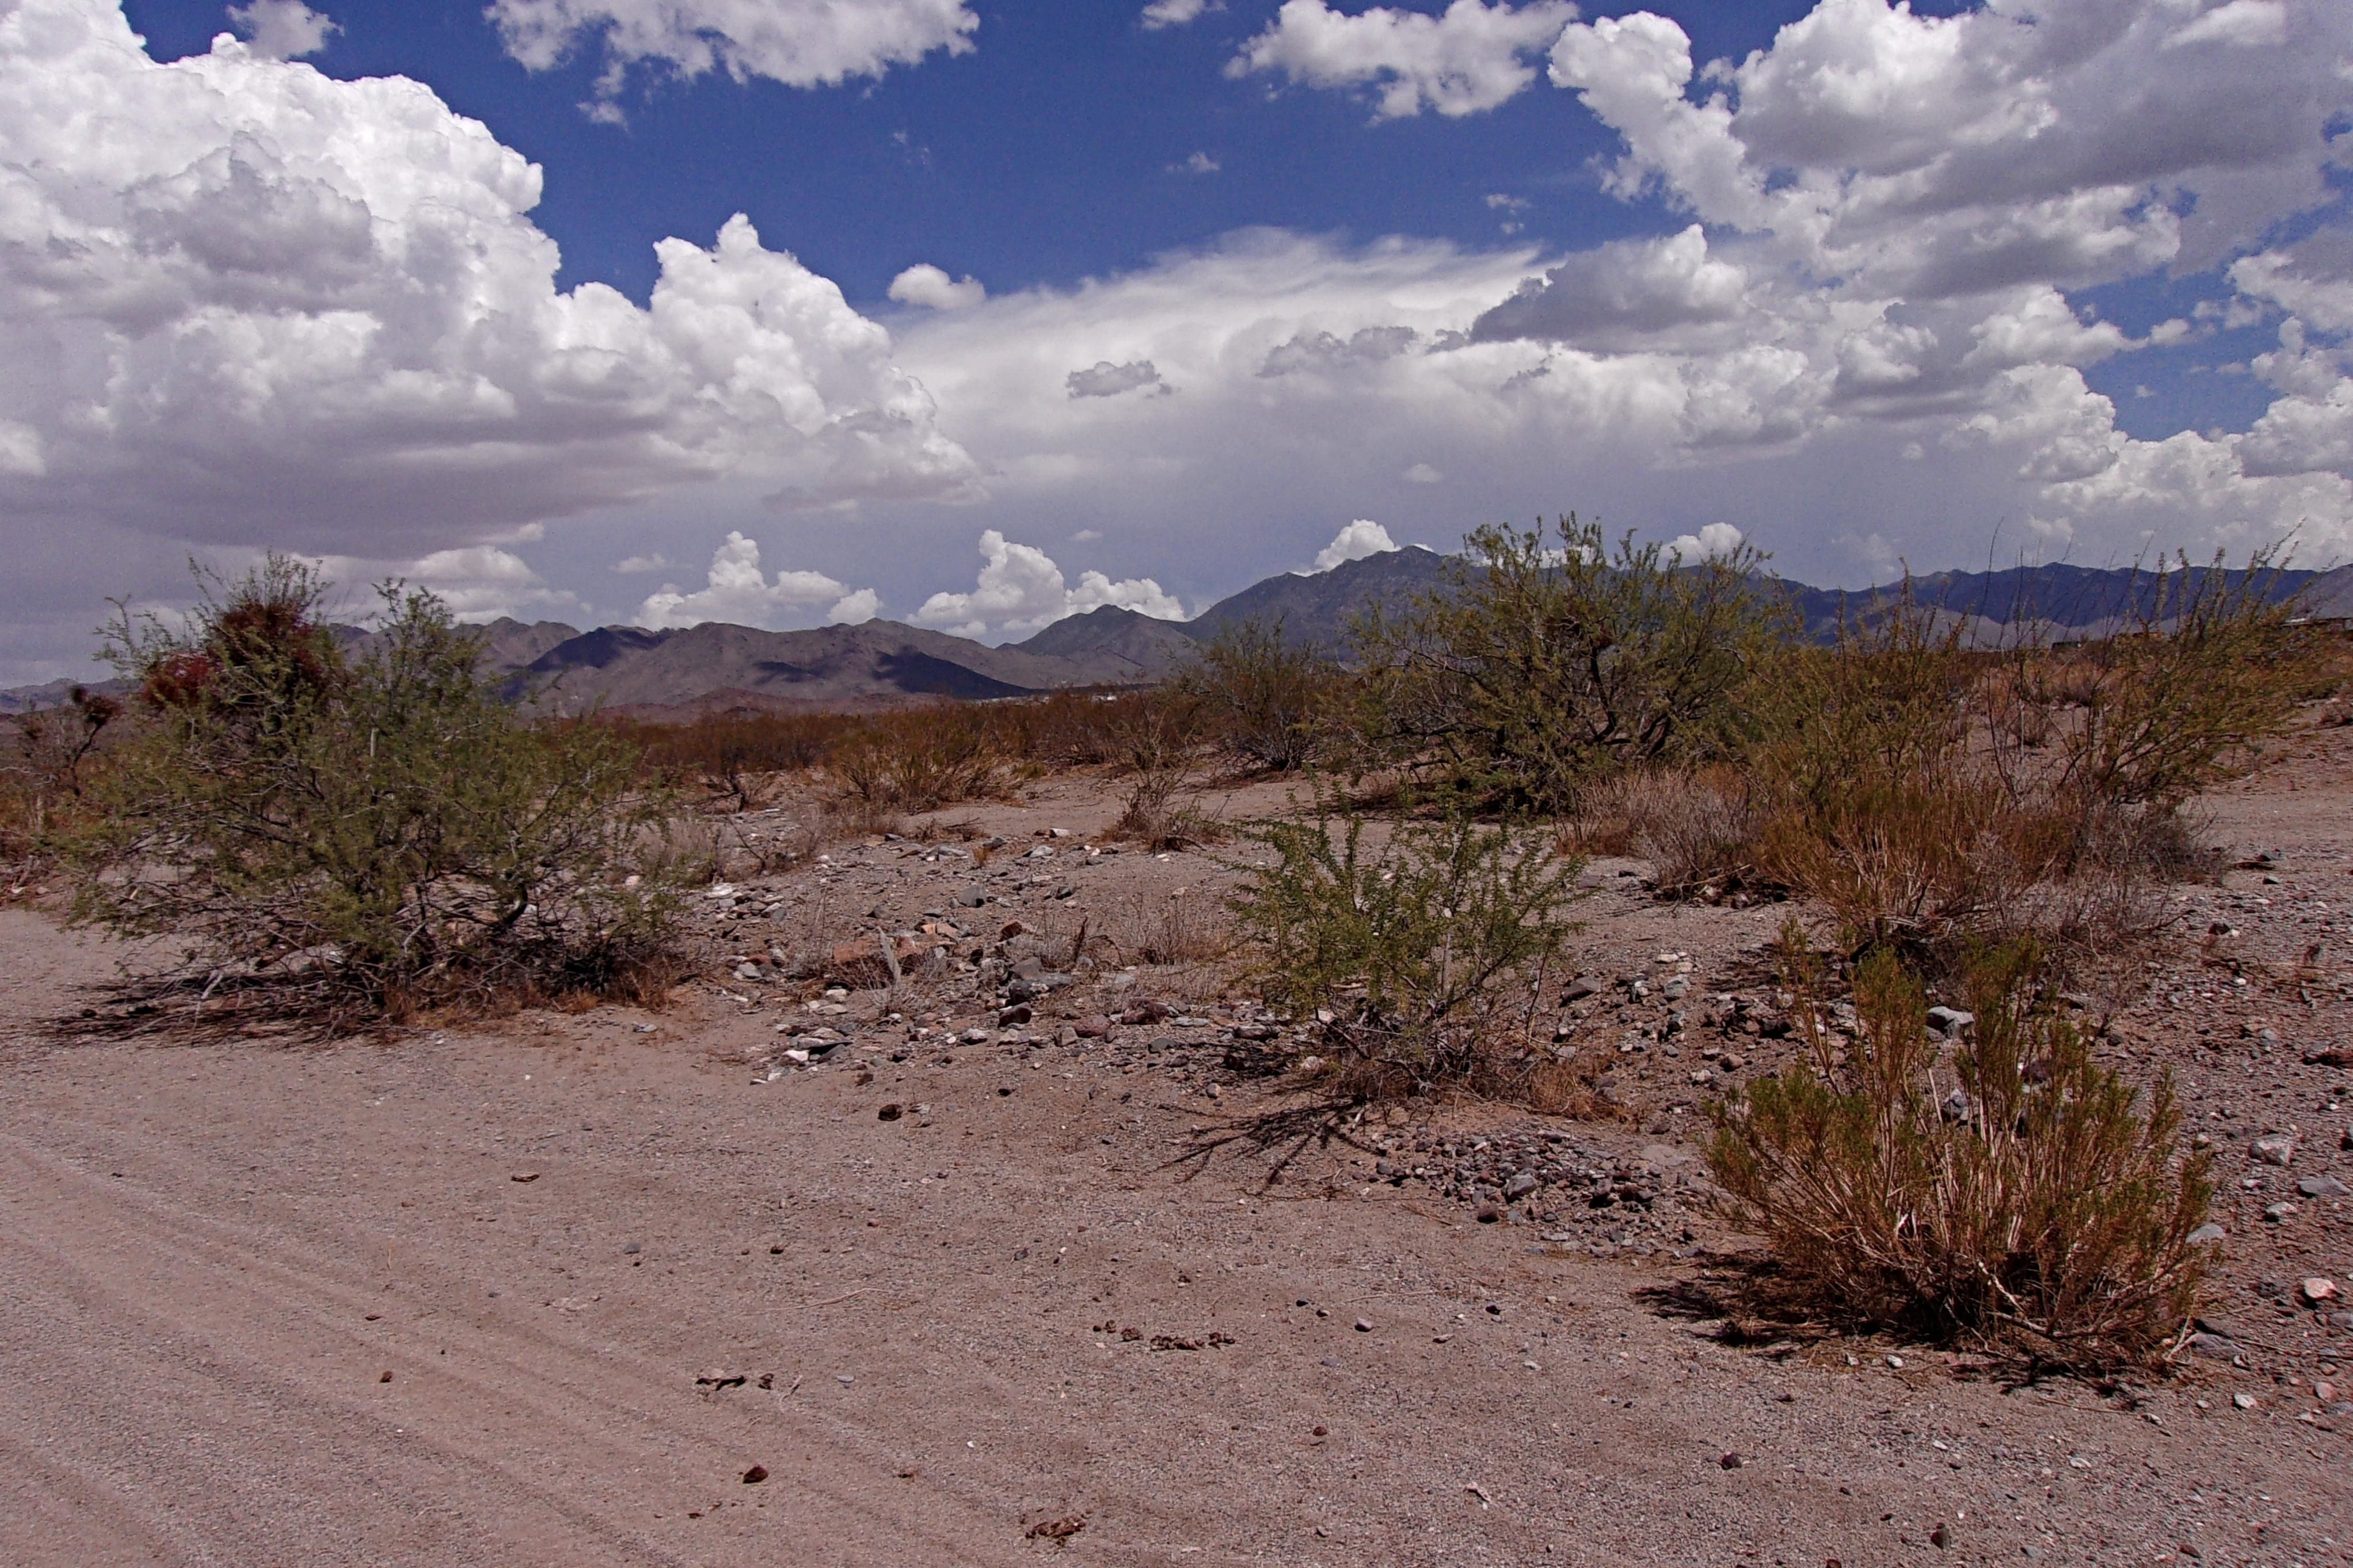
971,898
1949,1020
1955,1106
2278,1149
2214,1347
1582,986
747,971
2323,1187
1520,1187
2280,1214
2207,1235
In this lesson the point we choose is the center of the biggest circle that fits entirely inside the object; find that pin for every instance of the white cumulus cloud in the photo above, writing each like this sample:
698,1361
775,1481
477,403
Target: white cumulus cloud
1472,57
1715,540
1020,590
478,582
928,286
800,43
282,29
739,592
270,307
1354,542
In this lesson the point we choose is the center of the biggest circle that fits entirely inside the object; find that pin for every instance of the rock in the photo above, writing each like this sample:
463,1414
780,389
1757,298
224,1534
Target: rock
748,972
1014,1016
1488,1214
1955,1106
755,1475
1731,1462
2207,1235
2316,1290
1949,1021
890,1112
2278,1149
1364,1325
2280,1214
1308,1066
1092,1028
971,898
1519,1186
1675,990
2213,1347
1582,986
2242,1402
2328,1057
2323,1187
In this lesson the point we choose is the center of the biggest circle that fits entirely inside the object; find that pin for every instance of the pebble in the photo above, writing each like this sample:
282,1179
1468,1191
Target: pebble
1364,1325
2317,1289
2279,1149
2243,1401
2207,1235
2323,1187
2280,1214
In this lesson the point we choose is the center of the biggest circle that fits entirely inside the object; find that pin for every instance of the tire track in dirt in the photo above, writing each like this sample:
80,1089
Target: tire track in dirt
501,1417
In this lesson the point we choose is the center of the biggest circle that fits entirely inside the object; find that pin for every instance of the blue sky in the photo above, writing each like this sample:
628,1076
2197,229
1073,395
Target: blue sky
1199,292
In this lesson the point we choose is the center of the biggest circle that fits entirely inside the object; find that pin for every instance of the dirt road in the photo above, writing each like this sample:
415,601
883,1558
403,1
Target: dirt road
446,1302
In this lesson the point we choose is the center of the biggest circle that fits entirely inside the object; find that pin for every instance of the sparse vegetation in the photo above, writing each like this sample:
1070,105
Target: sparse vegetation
1422,952
2017,1196
364,838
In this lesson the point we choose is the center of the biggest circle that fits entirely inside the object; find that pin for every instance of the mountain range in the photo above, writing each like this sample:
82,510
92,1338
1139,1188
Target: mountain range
715,667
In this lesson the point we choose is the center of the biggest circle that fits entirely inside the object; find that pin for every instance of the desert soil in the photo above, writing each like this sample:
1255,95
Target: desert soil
618,1287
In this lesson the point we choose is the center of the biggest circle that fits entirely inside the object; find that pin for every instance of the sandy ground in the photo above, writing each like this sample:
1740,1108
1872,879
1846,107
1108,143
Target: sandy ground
484,1295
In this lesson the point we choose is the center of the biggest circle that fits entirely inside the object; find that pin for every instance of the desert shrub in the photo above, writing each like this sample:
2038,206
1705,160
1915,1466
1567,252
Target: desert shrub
1068,728
48,757
919,760
735,760
1549,660
1697,826
1159,742
348,838
2211,666
1263,697
2018,1196
1933,796
1423,956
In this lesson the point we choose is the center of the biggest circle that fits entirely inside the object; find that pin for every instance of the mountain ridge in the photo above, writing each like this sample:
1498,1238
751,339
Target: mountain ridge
716,666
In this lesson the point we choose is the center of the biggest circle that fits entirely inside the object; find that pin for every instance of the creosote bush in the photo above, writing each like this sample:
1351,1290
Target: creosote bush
1422,955
1263,697
1551,659
346,839
919,760
2017,1197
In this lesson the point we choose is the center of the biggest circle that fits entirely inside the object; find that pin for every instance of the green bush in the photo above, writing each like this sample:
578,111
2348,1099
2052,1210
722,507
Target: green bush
1263,697
1422,957
1550,660
2018,1196
377,836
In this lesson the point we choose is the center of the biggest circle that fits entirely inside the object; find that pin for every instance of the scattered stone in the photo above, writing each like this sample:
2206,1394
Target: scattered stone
1731,1462
1949,1021
890,1112
2207,1235
629,1249
1057,1529
2279,1149
2243,1401
2213,1347
755,1475
971,898
1364,1325
1582,986
2323,1187
1092,1028
2280,1214
524,1177
2316,1290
